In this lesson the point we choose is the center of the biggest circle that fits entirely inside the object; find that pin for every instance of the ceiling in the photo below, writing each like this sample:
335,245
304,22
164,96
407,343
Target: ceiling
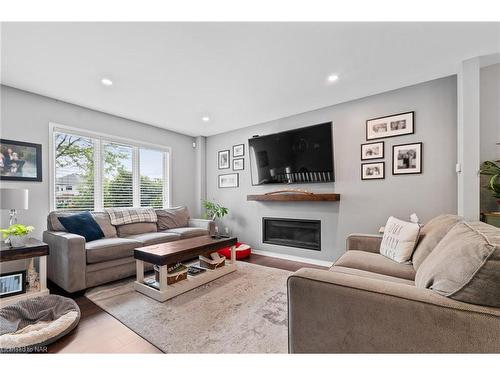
172,74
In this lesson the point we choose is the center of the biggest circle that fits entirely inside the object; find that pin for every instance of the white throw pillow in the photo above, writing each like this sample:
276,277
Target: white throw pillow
399,240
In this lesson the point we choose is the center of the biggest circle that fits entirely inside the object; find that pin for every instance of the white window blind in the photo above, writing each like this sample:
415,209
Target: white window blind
152,181
91,173
117,173
74,172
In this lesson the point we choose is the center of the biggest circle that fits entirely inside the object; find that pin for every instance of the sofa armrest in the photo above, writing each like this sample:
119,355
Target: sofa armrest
67,260
364,242
332,312
202,223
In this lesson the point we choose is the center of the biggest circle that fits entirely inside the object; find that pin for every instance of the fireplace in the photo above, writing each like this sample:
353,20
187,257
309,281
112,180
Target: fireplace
305,234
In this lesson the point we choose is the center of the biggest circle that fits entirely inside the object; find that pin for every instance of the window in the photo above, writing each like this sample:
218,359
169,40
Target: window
93,171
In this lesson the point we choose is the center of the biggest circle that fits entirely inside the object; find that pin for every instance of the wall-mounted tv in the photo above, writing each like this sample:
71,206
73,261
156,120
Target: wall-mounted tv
303,155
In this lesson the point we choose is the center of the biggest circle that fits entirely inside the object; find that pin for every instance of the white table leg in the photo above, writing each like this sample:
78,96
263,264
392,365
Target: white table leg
163,278
43,272
233,254
139,270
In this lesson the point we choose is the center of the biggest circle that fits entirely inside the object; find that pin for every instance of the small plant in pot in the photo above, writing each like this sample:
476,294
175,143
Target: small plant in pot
17,234
214,211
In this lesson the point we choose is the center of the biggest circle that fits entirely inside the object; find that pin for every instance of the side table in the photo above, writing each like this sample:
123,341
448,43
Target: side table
33,249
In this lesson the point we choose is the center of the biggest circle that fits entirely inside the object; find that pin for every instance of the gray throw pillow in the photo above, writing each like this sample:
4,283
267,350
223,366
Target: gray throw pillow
465,265
170,218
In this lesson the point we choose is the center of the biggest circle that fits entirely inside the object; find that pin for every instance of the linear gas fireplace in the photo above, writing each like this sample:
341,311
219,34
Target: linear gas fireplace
305,234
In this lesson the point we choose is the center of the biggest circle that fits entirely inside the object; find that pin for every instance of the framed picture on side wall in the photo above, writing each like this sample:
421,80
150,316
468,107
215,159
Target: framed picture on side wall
20,161
238,150
372,151
223,159
390,126
373,171
238,164
407,158
230,180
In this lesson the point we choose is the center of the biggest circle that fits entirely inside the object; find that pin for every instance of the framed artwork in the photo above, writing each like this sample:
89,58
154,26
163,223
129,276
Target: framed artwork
373,171
373,150
238,150
223,159
12,283
390,126
407,158
230,180
20,161
238,164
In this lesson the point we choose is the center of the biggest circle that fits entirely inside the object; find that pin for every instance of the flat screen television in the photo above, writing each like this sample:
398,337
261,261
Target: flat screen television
303,155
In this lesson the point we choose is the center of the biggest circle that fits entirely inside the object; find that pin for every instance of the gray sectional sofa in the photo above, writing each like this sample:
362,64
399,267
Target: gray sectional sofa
75,265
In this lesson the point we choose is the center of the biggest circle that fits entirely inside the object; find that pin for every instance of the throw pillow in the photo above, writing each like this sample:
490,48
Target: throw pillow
430,235
82,224
465,265
170,218
399,240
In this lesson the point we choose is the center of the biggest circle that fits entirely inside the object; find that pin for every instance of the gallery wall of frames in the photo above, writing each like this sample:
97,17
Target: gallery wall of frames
236,162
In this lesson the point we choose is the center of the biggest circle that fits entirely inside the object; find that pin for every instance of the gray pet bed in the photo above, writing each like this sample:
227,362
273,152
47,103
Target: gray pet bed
32,324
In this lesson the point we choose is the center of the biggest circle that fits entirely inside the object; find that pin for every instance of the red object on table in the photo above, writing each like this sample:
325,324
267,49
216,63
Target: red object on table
242,251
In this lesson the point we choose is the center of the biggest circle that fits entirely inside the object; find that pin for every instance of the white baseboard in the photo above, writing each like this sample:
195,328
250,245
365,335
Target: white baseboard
316,262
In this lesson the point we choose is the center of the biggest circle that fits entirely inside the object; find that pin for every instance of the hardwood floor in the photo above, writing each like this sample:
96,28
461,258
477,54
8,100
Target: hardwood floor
99,332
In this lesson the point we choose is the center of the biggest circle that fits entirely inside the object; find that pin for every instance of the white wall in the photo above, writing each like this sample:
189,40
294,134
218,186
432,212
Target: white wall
26,116
364,205
490,126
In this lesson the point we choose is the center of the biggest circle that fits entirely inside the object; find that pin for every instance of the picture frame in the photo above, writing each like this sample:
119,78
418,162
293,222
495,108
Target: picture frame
373,150
238,164
20,161
223,159
390,126
238,150
12,283
228,180
373,171
407,158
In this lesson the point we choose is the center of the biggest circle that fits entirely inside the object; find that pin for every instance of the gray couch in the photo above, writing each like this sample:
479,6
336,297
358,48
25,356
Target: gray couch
75,265
367,303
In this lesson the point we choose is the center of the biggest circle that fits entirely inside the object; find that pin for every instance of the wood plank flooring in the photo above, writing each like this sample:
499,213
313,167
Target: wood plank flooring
99,332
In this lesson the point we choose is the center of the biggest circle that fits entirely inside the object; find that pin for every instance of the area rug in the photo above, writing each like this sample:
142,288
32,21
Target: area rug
242,312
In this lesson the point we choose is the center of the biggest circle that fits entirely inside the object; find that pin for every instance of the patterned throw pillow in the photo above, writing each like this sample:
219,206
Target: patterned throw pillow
399,240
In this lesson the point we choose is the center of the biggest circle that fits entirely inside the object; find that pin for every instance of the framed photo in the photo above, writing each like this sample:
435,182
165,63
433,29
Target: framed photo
12,283
407,159
373,171
230,180
390,126
223,159
20,161
372,151
238,150
238,164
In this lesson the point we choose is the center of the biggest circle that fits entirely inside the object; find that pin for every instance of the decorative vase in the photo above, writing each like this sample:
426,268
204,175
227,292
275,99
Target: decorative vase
18,241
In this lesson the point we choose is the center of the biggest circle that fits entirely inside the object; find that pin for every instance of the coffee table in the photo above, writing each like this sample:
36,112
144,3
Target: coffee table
164,254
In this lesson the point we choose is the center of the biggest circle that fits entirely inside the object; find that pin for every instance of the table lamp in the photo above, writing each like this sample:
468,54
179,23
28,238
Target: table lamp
13,200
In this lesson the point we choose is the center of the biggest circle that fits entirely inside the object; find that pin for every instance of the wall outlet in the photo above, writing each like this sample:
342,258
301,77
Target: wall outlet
458,168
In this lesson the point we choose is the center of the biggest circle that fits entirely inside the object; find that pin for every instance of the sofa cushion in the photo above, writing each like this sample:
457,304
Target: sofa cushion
82,224
399,240
110,248
155,238
175,217
377,263
188,232
135,228
102,218
430,235
465,265
371,275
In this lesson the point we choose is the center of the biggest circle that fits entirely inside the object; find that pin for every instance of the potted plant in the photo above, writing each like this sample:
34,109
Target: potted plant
17,234
214,210
492,169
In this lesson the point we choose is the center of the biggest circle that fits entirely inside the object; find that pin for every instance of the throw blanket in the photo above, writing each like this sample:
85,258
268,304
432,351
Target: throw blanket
31,311
121,216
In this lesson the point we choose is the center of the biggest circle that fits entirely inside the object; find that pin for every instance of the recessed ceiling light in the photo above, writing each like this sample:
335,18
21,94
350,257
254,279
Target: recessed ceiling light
205,119
107,82
332,78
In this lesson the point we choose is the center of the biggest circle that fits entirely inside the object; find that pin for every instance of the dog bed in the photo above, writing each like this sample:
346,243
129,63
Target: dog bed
32,324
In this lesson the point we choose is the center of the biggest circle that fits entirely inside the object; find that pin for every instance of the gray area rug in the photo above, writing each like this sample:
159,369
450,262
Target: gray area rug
242,312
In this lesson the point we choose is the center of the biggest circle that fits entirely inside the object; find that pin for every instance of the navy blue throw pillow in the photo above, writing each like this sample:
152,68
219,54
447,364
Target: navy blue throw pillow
82,224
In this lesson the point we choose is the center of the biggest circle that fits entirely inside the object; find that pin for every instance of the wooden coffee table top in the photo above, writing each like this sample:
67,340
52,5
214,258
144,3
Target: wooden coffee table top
178,251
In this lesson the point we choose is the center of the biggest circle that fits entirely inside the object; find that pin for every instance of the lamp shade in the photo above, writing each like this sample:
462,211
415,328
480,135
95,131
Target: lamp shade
14,199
